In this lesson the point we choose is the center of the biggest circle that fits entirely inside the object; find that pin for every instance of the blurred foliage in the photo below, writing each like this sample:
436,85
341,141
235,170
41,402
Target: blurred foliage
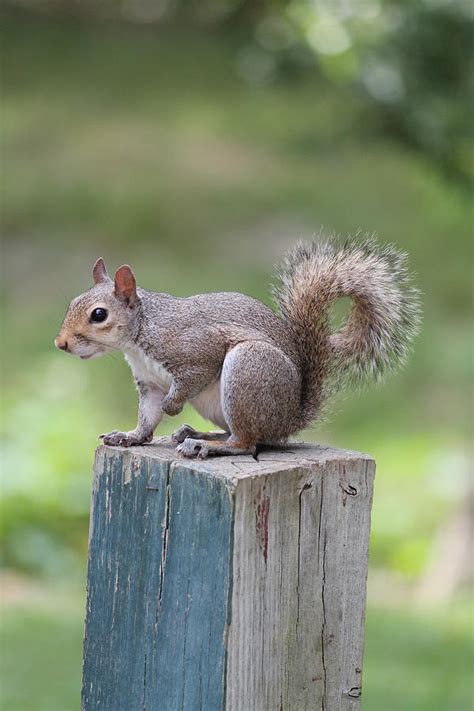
410,60
414,60
402,649
197,142
151,147
38,642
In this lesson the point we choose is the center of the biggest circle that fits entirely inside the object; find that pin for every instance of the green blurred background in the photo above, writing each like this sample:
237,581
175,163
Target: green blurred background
197,141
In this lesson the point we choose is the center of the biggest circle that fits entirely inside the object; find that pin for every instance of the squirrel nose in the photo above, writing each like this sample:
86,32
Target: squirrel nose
60,343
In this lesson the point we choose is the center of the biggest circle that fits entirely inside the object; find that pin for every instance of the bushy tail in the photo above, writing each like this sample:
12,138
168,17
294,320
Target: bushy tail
377,334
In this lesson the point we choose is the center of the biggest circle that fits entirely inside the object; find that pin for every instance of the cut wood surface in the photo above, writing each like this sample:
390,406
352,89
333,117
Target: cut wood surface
227,583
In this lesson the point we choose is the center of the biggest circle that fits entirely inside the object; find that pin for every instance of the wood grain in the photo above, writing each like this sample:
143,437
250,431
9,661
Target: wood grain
227,583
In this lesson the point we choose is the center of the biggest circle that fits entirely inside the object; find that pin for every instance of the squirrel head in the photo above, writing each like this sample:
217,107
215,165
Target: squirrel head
101,319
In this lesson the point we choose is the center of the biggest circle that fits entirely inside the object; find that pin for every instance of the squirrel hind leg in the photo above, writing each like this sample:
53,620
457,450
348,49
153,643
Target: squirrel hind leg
202,448
260,393
260,396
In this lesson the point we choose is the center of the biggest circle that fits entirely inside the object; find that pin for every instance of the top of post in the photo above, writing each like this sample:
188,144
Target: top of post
297,454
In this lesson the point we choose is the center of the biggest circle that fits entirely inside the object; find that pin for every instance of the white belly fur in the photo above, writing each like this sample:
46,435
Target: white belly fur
148,370
207,403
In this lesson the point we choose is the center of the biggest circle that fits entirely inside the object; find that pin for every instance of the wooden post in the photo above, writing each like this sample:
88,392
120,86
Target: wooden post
227,583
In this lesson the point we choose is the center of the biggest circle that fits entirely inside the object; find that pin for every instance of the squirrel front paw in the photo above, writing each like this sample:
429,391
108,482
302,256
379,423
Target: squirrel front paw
171,406
125,439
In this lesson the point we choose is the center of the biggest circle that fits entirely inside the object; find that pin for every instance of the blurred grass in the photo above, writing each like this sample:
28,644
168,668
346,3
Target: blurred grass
149,147
42,670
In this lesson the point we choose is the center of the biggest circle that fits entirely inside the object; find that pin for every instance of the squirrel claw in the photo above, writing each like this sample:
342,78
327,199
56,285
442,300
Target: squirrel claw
123,439
191,448
107,434
182,433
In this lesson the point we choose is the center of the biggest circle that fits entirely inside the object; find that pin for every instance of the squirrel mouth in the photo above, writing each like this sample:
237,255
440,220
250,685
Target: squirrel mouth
85,357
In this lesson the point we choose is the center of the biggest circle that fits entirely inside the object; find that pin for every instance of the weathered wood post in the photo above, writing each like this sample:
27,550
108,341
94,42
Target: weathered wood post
227,583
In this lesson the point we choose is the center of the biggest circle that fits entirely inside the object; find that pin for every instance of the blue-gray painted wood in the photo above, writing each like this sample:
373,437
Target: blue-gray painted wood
158,587
227,584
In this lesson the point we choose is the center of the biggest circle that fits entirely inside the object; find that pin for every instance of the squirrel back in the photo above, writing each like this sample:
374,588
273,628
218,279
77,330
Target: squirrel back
378,331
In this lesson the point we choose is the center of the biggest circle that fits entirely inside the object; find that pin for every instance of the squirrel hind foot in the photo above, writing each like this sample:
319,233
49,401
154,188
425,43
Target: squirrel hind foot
201,448
186,431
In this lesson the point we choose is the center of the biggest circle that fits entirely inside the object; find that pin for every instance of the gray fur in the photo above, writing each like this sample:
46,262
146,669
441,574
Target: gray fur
379,330
271,372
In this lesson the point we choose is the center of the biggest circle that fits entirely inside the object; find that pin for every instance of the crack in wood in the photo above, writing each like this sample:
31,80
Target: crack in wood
323,604
164,549
144,684
185,628
229,603
304,488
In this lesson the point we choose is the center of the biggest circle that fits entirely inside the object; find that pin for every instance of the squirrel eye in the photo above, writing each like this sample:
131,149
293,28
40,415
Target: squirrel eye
98,315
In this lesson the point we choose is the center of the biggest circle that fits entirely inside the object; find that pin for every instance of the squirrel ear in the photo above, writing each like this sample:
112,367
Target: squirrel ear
125,285
99,272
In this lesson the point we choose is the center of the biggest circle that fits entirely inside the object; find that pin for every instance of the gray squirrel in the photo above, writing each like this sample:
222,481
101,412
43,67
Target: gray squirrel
260,376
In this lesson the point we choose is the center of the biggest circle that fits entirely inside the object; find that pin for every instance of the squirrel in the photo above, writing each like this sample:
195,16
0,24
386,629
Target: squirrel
259,375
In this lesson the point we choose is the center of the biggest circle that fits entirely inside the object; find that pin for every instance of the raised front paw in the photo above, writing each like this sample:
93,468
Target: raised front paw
181,434
193,448
171,405
125,439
